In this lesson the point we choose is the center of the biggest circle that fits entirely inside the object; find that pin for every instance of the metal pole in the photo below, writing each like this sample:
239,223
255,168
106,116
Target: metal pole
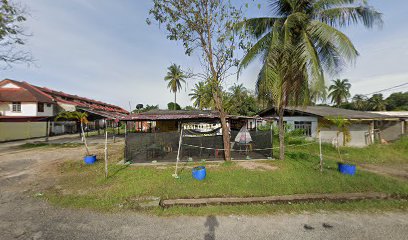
106,155
272,140
178,152
125,152
320,151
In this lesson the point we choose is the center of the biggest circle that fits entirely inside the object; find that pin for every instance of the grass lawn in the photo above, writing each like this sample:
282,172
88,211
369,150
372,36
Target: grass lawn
84,186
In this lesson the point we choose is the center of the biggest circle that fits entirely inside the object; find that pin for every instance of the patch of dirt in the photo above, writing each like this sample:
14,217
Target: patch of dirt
252,165
399,171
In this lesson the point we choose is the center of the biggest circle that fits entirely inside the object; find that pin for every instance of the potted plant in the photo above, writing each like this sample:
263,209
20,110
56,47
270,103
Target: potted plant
81,118
342,124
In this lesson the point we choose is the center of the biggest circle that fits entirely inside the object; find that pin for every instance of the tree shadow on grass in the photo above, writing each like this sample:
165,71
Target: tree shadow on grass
117,170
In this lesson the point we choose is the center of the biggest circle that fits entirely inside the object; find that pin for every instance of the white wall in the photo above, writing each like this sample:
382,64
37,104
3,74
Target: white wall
48,111
28,109
314,120
357,131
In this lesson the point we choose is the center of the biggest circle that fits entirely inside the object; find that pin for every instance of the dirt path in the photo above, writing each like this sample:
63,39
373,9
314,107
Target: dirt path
23,216
399,171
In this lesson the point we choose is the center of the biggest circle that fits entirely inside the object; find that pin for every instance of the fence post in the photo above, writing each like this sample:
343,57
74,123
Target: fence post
178,152
125,150
106,155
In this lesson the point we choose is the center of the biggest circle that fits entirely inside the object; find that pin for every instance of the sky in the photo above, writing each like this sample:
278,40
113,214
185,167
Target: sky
104,50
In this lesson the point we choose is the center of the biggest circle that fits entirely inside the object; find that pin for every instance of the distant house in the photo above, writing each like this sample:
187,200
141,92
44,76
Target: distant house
365,128
28,111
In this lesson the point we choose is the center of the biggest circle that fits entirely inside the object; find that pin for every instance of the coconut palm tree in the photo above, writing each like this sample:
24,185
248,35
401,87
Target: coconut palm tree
80,117
377,102
360,102
339,91
176,77
300,42
201,96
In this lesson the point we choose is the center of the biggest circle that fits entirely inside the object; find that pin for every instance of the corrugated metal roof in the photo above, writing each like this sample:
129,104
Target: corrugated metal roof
171,115
155,115
323,111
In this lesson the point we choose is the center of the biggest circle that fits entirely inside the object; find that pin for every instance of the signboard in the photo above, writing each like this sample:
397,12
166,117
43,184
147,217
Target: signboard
201,129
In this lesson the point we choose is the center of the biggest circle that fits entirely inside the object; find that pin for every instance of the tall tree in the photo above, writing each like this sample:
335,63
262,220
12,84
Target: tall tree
12,34
79,117
397,101
205,26
300,42
339,91
377,103
175,76
360,102
201,96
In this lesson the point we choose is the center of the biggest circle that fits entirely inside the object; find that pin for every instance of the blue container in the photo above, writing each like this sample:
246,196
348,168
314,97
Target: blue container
348,169
90,159
199,173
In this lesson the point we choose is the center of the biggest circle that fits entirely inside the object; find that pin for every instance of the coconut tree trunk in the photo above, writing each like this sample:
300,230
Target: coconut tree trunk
281,111
175,98
86,144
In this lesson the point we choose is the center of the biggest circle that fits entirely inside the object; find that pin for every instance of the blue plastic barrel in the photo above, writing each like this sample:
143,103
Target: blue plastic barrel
199,173
345,168
90,159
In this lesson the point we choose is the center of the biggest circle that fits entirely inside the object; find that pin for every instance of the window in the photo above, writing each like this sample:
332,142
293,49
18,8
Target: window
16,107
40,107
306,126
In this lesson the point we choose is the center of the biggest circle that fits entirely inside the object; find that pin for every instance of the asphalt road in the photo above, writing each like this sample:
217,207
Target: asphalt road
23,216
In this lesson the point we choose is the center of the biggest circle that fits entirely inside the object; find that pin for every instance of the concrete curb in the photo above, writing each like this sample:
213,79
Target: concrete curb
341,197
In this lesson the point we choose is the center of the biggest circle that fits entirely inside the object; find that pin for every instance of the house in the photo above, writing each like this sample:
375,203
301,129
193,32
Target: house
392,129
365,128
155,136
28,111
169,120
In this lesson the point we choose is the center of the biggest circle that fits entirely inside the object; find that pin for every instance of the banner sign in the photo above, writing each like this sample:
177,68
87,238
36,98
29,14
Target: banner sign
201,129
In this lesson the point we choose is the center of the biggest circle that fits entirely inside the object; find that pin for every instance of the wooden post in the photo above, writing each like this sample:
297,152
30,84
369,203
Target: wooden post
106,155
178,152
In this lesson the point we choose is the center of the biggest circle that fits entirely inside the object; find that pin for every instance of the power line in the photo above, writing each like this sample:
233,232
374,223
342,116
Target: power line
386,89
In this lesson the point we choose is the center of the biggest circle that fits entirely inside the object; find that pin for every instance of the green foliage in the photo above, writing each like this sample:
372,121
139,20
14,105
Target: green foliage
81,117
175,76
377,103
339,91
201,96
12,34
146,108
397,102
297,175
189,108
173,106
342,124
299,43
239,101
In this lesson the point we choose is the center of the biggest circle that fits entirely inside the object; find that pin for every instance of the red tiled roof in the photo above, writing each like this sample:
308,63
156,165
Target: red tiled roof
82,101
25,93
31,93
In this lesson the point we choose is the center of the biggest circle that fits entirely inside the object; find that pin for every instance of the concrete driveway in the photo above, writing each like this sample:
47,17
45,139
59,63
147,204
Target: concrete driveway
23,216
